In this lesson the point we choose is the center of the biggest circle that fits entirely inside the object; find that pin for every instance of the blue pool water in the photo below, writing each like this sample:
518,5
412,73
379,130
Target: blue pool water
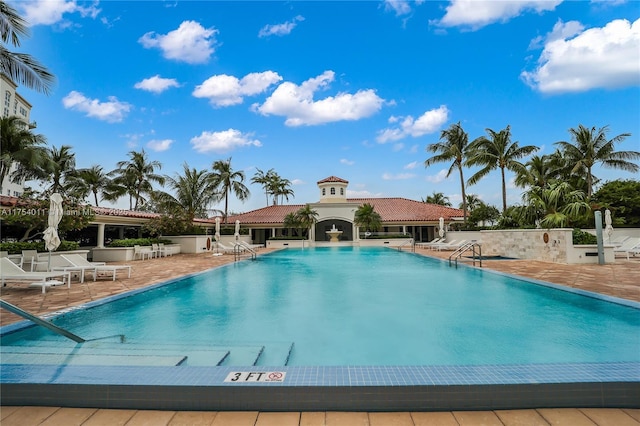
365,306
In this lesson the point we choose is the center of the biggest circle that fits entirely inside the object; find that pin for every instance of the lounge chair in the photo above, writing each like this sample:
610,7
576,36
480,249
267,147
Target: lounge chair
226,249
9,271
453,245
630,246
443,243
77,260
427,244
59,263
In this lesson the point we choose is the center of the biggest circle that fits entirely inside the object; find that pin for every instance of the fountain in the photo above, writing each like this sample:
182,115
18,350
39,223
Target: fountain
334,233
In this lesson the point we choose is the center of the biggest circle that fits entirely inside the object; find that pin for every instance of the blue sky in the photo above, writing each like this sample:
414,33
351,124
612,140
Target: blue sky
313,89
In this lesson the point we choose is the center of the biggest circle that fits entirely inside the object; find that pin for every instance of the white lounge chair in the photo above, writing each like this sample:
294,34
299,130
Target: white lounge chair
59,263
31,257
453,245
443,243
630,246
9,271
427,244
77,260
226,249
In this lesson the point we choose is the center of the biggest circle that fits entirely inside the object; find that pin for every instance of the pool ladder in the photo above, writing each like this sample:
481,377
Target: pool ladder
411,244
474,247
239,250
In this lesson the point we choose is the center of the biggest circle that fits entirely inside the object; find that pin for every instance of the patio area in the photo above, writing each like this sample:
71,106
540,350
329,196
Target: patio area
619,280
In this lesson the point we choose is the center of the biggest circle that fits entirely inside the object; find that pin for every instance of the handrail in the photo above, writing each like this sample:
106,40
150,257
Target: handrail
410,241
44,323
464,248
241,246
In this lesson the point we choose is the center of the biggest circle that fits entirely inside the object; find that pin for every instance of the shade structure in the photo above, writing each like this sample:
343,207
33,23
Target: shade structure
237,232
51,238
607,221
441,227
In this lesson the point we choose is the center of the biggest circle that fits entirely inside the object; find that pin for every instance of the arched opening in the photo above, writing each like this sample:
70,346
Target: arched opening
342,225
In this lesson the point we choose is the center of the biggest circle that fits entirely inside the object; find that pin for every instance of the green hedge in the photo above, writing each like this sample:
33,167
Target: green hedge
582,237
130,242
17,247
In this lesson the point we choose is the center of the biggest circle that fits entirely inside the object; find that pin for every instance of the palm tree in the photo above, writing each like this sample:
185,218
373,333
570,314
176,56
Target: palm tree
306,217
139,170
122,184
281,188
226,180
473,202
497,151
366,217
61,166
451,147
193,193
264,179
557,205
438,198
590,147
539,171
92,180
20,146
21,68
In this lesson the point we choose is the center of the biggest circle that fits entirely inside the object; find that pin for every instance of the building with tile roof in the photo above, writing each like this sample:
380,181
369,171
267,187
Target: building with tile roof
399,215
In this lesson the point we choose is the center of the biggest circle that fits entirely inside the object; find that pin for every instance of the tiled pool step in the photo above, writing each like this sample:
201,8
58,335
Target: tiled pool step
105,352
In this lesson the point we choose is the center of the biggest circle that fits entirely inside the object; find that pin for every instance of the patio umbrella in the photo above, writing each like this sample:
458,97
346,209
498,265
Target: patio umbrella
217,235
441,227
237,233
51,238
607,221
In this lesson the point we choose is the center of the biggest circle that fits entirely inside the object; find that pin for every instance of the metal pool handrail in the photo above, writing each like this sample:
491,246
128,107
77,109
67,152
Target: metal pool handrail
44,323
469,246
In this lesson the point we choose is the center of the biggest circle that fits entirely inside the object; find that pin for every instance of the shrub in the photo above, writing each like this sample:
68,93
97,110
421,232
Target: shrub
18,246
130,242
582,237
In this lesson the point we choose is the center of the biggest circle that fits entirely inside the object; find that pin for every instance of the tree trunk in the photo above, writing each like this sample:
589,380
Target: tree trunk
504,192
464,195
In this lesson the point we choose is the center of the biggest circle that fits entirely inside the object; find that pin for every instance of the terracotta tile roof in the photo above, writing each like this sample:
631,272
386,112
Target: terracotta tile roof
271,214
108,211
333,179
392,210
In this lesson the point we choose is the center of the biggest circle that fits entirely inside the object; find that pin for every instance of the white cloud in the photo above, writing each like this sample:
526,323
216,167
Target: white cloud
223,141
280,29
428,122
159,145
399,176
225,90
49,12
476,14
112,111
297,103
400,7
411,165
363,194
347,162
439,177
191,42
561,30
606,57
298,182
156,84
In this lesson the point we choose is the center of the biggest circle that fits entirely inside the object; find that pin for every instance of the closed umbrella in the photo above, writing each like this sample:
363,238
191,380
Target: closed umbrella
217,235
441,226
51,238
237,233
607,221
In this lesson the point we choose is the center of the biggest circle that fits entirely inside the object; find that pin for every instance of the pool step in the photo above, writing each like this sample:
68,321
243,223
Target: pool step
276,354
91,359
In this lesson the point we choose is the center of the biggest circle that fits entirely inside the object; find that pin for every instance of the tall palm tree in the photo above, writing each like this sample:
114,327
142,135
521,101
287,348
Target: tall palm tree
20,146
141,171
590,146
23,69
92,180
264,179
122,184
497,152
193,193
451,147
226,180
556,205
61,167
281,188
438,198
366,217
539,171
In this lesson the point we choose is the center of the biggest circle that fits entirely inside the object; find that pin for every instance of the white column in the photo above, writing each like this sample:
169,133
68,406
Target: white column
356,233
101,235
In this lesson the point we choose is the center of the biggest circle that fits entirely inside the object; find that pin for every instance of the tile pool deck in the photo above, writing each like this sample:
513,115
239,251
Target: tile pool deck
618,280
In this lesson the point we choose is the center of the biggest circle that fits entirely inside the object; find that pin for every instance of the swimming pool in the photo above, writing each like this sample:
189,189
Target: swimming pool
379,309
